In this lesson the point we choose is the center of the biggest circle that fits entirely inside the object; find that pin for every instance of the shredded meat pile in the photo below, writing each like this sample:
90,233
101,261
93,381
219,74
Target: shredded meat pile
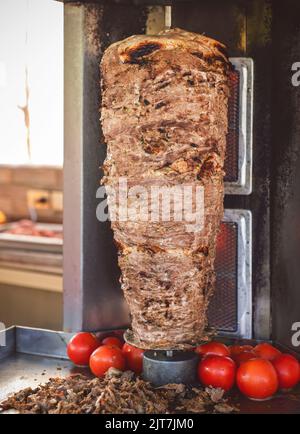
164,118
117,393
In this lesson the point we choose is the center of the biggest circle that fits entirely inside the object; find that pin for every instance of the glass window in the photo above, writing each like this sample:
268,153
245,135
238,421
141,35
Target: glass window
31,82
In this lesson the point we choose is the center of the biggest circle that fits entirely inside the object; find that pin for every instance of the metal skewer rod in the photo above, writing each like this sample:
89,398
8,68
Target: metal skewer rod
168,17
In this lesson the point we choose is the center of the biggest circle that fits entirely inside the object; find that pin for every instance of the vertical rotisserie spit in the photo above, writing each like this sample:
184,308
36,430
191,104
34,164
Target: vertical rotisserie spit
164,118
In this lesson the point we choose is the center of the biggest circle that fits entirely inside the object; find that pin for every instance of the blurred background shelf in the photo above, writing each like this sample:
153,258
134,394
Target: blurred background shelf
31,282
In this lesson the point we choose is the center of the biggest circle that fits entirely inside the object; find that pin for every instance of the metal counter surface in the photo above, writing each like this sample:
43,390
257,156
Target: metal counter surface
19,370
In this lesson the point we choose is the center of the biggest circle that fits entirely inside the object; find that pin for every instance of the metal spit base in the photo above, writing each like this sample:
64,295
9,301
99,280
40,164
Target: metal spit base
168,367
32,356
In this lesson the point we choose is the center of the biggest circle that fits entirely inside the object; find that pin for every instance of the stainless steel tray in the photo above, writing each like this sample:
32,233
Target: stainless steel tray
32,356
32,243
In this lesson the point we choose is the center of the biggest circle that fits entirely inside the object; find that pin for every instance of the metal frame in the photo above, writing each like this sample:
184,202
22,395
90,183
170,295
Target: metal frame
39,342
243,186
243,220
92,294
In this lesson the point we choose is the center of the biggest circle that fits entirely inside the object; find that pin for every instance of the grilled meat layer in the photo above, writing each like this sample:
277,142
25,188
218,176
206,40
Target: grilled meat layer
164,118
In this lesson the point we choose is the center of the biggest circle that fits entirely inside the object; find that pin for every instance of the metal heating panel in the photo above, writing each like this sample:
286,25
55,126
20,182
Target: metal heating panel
226,293
238,163
230,309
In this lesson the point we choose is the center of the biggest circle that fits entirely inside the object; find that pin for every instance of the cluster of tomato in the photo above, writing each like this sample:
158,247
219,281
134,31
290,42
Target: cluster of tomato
85,349
257,371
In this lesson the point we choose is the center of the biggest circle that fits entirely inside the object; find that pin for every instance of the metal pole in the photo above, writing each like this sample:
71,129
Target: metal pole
168,17
92,296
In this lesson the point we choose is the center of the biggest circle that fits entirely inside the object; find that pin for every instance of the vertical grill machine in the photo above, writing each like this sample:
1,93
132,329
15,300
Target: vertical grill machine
250,287
92,294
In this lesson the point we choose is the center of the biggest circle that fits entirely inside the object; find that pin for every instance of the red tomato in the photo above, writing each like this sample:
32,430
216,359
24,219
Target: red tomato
80,347
257,379
106,357
217,371
212,349
134,358
287,368
266,351
244,357
237,349
112,341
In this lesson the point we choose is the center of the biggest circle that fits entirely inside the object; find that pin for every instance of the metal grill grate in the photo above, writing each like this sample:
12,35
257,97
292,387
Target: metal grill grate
223,306
232,143
238,161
